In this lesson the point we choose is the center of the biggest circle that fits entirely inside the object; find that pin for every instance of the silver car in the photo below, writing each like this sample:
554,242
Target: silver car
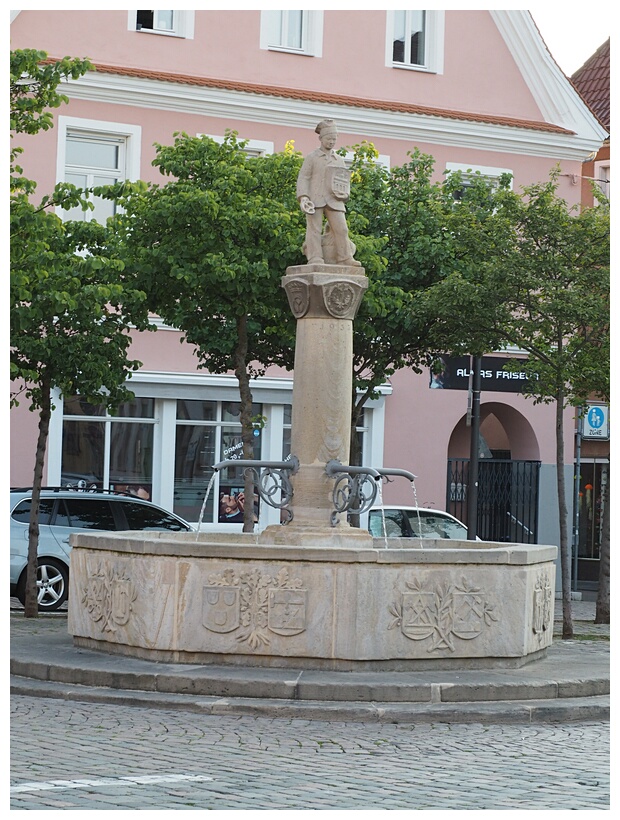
61,512
414,522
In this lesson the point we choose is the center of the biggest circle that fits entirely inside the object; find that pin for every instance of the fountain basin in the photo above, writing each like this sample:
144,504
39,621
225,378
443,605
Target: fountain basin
228,599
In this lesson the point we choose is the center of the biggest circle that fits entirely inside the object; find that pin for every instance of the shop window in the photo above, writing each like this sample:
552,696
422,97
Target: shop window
208,432
109,452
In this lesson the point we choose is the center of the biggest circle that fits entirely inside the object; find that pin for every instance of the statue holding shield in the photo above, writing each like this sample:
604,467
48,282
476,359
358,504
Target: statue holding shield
323,187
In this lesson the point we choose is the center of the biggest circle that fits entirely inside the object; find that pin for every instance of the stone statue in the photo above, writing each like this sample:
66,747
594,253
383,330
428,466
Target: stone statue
323,186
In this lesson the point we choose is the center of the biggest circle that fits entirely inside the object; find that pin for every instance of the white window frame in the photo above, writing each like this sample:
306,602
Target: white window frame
182,26
130,134
166,387
312,45
433,43
602,175
253,148
382,160
470,171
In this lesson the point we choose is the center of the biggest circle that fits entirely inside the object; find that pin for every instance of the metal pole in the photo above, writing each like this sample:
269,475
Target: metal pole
474,454
576,505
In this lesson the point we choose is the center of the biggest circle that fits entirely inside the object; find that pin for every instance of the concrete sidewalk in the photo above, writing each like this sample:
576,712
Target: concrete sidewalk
570,683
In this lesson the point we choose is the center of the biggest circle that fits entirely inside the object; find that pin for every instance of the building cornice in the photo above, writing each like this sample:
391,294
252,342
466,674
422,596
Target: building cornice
292,108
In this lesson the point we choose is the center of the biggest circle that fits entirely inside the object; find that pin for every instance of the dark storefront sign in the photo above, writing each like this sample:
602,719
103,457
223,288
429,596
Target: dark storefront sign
456,371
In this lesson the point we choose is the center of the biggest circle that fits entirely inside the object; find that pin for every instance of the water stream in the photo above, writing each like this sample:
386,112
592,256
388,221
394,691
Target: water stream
417,508
204,504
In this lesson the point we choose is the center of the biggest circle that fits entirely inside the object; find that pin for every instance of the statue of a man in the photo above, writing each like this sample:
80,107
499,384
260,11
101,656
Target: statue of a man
323,186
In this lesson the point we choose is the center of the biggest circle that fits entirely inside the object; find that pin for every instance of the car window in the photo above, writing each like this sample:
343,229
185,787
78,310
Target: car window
86,514
21,512
394,523
435,526
144,517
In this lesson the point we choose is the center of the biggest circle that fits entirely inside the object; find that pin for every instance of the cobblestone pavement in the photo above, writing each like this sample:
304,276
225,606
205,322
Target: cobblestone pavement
101,756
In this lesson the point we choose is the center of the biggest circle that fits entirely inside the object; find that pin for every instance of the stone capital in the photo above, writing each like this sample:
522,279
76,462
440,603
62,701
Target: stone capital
324,291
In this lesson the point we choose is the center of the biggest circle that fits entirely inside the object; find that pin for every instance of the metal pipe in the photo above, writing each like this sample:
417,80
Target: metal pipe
334,467
385,471
292,464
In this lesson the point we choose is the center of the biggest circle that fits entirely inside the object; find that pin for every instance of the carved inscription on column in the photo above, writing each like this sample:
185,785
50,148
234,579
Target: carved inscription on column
442,614
254,604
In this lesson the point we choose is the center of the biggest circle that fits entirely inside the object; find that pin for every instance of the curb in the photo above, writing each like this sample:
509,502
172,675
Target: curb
560,710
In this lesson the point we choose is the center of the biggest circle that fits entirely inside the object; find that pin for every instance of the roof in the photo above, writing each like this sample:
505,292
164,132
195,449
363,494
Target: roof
592,83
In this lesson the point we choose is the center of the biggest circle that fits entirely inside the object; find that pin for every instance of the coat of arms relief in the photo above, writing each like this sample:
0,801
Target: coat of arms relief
442,614
254,604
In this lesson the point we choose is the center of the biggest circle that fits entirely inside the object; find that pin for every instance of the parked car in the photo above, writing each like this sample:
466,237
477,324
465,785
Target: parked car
63,511
414,522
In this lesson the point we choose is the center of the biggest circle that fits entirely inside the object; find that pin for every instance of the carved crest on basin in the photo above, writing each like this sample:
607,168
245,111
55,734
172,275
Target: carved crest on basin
442,614
542,616
254,604
108,597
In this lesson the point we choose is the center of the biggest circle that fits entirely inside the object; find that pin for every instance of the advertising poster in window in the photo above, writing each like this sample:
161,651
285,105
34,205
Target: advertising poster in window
232,500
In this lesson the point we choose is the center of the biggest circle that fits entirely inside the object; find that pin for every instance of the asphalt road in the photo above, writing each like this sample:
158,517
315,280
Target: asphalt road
87,756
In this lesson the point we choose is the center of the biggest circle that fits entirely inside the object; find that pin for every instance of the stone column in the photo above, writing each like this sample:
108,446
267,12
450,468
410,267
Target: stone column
324,299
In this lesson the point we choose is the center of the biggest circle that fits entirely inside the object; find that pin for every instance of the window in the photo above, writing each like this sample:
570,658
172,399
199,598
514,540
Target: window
468,172
21,513
85,514
208,432
602,176
171,23
415,40
142,517
253,148
94,153
112,452
383,160
297,32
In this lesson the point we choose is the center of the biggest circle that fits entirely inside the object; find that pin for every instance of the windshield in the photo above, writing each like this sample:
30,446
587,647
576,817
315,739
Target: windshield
435,526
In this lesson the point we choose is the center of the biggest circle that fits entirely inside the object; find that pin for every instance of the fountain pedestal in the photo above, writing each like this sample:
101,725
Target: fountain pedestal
324,299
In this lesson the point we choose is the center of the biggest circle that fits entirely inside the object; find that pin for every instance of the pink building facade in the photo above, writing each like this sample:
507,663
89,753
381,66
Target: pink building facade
397,79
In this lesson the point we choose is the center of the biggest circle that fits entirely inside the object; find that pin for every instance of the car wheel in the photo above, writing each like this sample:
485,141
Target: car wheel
52,584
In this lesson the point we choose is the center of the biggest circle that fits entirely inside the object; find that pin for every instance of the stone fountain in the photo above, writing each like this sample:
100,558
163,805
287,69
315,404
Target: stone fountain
317,592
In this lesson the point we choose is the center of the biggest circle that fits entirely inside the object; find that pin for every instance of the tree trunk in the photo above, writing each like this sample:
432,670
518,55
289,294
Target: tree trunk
602,599
31,603
247,429
565,556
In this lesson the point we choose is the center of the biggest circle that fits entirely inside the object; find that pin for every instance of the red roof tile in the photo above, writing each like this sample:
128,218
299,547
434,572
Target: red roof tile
334,99
592,83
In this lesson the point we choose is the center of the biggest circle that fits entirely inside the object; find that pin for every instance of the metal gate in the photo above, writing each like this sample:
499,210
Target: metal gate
507,498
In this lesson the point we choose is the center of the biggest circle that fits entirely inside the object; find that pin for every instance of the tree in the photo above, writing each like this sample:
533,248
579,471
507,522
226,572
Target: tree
210,247
423,232
69,322
545,281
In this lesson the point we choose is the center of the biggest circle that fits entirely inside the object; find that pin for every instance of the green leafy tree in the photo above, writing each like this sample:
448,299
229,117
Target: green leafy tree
420,231
210,247
544,284
69,322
